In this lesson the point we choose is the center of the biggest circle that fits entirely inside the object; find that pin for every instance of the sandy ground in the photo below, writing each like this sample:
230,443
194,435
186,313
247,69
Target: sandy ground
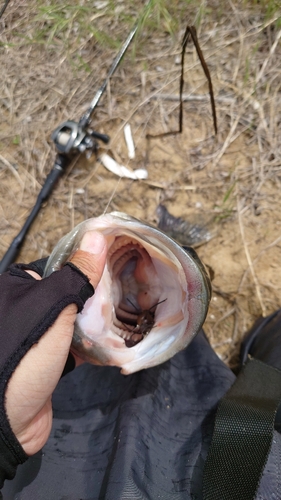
232,179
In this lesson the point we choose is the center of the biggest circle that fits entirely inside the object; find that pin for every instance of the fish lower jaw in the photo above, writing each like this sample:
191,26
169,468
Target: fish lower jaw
121,331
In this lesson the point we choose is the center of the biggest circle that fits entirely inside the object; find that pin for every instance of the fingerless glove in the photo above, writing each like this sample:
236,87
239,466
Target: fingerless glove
28,307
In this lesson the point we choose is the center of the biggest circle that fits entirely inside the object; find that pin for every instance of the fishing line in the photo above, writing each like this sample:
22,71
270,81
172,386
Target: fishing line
112,194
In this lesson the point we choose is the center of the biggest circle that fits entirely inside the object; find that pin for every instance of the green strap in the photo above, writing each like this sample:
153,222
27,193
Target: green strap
243,434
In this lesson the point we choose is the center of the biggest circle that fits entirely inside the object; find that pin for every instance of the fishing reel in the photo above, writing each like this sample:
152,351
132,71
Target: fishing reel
70,139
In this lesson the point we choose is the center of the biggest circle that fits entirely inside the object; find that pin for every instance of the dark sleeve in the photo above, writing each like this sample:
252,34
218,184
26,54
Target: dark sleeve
28,307
9,460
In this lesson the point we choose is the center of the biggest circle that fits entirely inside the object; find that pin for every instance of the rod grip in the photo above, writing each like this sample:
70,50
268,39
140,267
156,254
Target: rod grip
9,257
57,171
50,183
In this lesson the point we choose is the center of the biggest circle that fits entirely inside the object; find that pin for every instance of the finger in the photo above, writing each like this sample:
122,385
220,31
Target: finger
34,274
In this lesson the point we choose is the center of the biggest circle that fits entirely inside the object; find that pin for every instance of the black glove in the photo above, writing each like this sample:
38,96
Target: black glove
28,307
39,267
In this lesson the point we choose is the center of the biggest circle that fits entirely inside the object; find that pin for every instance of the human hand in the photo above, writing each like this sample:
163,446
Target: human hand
29,392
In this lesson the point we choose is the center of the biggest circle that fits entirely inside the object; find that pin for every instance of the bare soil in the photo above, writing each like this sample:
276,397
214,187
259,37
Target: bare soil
233,177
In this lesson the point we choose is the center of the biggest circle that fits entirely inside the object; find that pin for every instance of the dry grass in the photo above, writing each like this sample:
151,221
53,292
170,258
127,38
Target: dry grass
52,63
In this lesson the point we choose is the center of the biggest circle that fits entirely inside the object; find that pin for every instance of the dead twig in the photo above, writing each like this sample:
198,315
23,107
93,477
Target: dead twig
249,260
190,33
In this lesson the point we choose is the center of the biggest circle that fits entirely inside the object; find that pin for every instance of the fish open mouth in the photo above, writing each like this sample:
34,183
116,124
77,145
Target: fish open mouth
137,289
139,295
150,302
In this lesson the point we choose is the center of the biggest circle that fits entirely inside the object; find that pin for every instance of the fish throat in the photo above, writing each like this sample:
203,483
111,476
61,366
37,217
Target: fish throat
136,289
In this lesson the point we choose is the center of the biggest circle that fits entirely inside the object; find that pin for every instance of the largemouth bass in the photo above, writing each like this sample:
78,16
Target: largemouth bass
151,301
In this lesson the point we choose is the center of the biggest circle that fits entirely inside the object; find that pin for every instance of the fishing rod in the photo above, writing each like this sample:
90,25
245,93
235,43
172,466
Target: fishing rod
4,8
71,139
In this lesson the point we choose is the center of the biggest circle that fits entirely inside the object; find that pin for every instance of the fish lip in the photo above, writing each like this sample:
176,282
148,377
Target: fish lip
148,236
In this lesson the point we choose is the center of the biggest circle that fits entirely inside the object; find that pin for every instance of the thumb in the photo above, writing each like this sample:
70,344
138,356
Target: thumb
90,259
91,256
